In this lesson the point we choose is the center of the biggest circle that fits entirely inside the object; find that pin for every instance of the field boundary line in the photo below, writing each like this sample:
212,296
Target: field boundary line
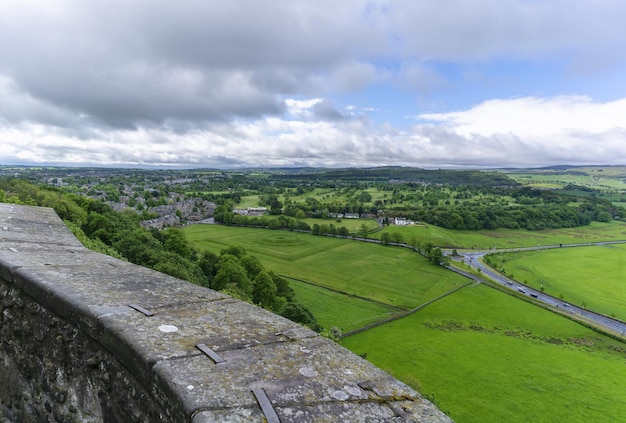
405,314
343,292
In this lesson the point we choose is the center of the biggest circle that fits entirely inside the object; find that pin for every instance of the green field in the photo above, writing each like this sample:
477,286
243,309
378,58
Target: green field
391,275
509,238
353,225
488,357
248,201
592,176
324,195
591,276
481,355
607,182
343,311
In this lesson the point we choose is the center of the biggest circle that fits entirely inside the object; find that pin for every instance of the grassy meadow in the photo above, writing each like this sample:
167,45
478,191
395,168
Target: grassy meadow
481,355
597,177
487,357
390,275
591,276
353,225
332,308
509,238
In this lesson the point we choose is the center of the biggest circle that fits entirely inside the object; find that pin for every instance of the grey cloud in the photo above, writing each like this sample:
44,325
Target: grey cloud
17,106
325,110
286,81
142,62
127,97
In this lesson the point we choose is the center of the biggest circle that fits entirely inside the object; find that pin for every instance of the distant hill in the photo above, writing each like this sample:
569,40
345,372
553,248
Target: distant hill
403,174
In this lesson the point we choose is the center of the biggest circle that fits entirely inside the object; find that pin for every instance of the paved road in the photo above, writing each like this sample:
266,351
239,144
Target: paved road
608,323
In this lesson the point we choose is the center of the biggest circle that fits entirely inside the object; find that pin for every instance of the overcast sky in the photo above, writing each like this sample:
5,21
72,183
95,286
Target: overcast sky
203,83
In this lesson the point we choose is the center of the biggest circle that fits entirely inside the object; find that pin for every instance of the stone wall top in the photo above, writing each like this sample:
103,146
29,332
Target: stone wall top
215,358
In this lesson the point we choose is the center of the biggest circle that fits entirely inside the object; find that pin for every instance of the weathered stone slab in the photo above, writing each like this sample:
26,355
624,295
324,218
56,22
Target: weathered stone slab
319,372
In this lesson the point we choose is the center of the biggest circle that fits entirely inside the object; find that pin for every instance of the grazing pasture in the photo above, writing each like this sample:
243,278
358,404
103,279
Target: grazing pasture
332,308
479,354
483,357
596,177
593,277
394,276
353,225
508,238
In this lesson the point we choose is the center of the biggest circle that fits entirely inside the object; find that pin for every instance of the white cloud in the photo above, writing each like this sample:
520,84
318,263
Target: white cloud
539,131
531,116
516,132
301,108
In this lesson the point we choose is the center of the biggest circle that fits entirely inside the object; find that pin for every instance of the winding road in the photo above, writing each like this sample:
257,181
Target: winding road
473,259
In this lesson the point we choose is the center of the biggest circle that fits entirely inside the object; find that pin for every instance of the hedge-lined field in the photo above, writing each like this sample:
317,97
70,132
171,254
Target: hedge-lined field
481,355
390,275
509,238
487,357
346,312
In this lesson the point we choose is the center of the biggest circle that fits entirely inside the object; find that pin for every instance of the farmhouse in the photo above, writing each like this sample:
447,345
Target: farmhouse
402,221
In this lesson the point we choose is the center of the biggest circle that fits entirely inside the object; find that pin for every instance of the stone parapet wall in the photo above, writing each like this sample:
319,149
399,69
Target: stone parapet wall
89,338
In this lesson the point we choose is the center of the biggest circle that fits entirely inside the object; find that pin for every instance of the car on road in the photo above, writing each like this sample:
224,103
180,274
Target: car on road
520,289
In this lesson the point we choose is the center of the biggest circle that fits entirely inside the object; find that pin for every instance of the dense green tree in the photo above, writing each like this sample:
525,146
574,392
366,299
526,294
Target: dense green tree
208,265
300,314
282,287
397,237
273,223
252,265
415,243
172,264
436,256
455,221
302,226
240,220
275,206
68,210
264,290
233,275
223,214
234,250
176,242
363,231
365,197
138,246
